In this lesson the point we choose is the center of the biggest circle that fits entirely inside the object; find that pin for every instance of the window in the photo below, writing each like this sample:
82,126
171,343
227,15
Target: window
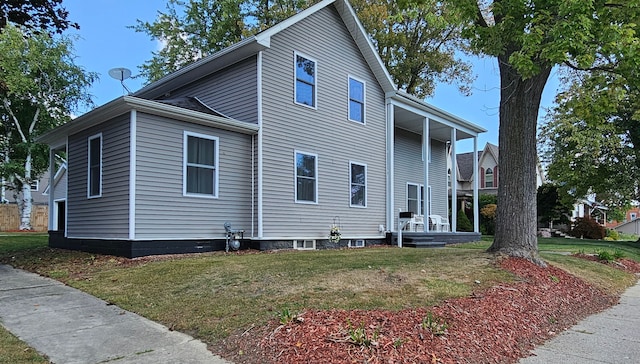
306,178
356,100
305,86
358,177
356,243
488,178
200,170
633,216
94,173
414,200
304,244
35,185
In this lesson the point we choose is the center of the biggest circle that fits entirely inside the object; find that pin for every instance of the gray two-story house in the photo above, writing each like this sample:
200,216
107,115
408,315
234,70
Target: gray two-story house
281,136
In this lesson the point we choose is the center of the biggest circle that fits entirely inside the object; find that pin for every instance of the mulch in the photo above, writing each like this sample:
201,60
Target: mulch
497,325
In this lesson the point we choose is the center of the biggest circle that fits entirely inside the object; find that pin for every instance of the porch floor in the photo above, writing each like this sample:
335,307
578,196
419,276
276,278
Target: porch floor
433,238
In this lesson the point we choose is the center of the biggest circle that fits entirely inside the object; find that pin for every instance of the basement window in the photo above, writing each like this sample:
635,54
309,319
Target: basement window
304,244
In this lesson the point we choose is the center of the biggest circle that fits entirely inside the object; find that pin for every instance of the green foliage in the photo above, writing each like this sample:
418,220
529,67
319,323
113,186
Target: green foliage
435,324
463,222
613,234
554,204
286,316
35,15
488,220
359,335
417,42
605,255
587,228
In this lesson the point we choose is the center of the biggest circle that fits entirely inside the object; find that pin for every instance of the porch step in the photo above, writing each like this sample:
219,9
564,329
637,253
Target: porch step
424,244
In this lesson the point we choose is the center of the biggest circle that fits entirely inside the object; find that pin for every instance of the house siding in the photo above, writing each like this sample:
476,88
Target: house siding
231,91
409,168
60,189
106,216
162,212
325,131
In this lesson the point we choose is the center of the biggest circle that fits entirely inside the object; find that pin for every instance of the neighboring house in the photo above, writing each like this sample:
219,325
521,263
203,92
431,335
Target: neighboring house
488,170
38,191
281,136
590,207
630,216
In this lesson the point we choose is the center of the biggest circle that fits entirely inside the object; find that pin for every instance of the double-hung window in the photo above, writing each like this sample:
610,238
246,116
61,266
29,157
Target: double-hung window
358,177
94,170
488,178
306,178
356,100
200,170
415,198
305,86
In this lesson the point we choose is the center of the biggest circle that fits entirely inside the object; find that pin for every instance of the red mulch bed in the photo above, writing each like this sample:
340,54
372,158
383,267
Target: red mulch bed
497,325
623,263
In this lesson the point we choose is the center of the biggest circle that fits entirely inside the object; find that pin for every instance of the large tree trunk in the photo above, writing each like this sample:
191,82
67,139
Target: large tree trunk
516,216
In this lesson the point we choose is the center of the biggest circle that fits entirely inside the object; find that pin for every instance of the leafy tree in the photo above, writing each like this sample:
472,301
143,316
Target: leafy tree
464,224
417,43
553,205
41,86
194,29
528,39
35,15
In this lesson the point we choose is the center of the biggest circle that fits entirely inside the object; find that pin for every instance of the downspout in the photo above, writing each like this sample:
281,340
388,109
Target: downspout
260,163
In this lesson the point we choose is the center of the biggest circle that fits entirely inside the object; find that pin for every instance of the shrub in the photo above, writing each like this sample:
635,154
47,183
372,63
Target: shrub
463,222
613,234
587,228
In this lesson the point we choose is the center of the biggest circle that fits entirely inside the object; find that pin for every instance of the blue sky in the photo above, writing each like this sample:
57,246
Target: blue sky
104,42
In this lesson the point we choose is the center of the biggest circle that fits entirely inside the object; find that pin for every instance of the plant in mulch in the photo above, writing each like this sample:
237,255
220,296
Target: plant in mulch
499,324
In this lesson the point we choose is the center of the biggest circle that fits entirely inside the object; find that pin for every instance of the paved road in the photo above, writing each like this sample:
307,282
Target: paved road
71,327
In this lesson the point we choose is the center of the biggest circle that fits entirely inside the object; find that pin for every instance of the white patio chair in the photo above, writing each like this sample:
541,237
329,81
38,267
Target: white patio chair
417,223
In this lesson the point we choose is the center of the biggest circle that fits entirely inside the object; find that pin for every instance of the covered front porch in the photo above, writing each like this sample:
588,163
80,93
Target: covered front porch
422,140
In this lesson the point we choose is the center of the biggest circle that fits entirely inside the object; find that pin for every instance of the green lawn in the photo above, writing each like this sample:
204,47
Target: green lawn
212,295
13,351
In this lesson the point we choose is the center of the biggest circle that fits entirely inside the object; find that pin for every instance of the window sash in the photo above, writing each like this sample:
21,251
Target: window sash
488,178
358,173
306,181
414,202
305,90
356,100
201,165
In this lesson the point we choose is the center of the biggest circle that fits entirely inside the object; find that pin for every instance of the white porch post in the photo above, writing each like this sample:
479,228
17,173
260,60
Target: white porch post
454,179
426,146
52,171
476,209
390,166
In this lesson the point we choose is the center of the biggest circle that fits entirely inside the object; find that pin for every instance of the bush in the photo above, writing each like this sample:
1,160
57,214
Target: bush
463,222
585,227
613,234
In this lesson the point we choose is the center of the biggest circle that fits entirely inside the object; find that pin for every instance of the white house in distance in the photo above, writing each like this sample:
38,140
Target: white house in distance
280,136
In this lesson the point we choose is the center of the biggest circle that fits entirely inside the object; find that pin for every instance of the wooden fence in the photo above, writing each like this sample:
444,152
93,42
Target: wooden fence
10,218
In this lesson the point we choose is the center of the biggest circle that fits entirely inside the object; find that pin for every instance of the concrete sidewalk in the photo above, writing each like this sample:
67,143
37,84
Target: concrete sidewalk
612,336
70,326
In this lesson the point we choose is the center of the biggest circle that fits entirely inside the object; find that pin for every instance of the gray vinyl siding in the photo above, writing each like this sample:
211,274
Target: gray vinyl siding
231,91
60,189
409,168
107,216
162,212
325,131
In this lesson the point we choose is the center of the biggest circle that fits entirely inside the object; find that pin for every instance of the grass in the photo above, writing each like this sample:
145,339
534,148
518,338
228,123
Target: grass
12,351
213,295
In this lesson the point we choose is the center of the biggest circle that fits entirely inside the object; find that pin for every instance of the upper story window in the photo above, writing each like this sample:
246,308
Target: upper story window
488,178
200,169
94,166
305,86
358,173
35,186
306,178
356,100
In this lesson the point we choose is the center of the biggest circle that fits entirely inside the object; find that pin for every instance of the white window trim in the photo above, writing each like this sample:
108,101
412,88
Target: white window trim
420,197
36,184
295,80
216,175
364,99
89,140
366,187
357,243
486,180
304,243
295,178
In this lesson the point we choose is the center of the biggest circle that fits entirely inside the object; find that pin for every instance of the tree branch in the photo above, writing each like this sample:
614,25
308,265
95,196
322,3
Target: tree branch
15,120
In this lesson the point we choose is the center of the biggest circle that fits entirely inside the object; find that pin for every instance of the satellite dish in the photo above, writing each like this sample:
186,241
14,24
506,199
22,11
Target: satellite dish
121,74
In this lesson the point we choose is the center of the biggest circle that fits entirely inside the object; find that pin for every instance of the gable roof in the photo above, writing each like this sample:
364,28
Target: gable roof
254,44
465,165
